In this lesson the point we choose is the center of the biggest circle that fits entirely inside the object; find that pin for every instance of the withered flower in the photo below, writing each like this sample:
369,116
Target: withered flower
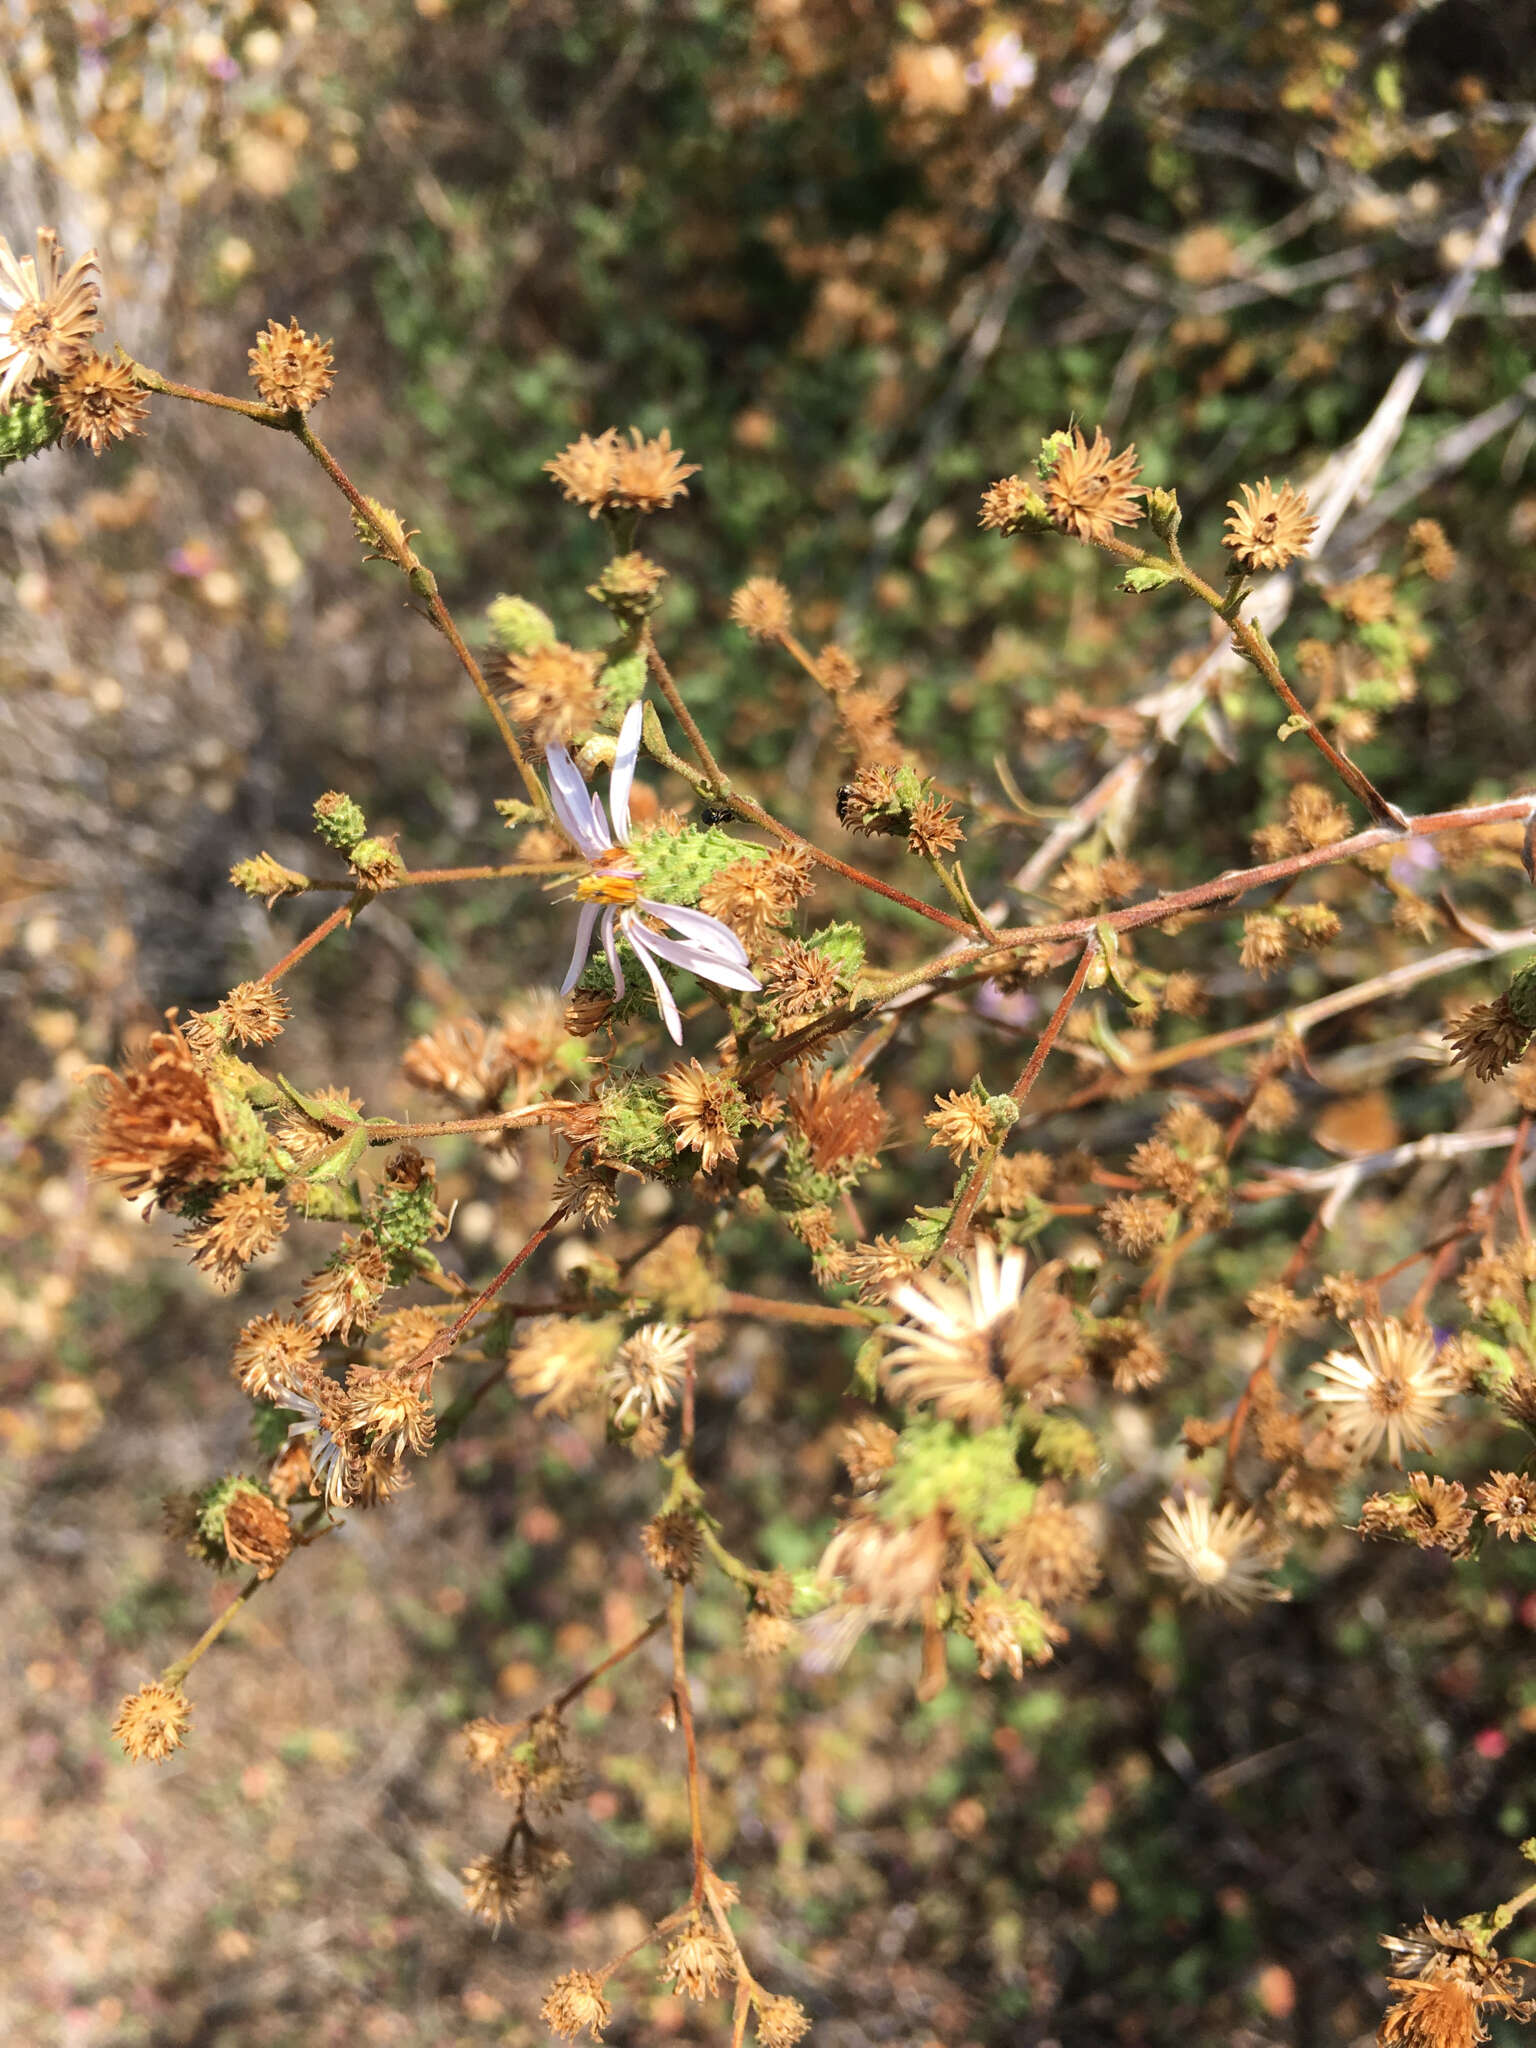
650,473
1488,1038
49,314
1436,556
100,402
868,1450
152,1723
697,1961
887,1572
990,1620
842,1121
270,1354
559,1363
1508,1502
574,2003
1392,1390
1266,941
240,1225
649,1371
962,1124
1274,1106
1269,528
1222,1559
751,896
493,1888
1049,1558
254,1012
1013,505
257,1532
159,1128
781,2022
800,981
343,1297
762,608
555,692
933,829
1435,2012
672,1544
706,1114
963,1343
1135,1224
292,370
389,1413
1091,490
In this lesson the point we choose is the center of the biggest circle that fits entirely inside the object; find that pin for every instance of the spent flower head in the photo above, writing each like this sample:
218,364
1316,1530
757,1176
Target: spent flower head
48,314
1391,1390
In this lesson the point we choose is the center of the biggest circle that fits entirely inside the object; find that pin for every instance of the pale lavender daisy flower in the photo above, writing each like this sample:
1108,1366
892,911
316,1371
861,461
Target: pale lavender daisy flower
611,903
1004,67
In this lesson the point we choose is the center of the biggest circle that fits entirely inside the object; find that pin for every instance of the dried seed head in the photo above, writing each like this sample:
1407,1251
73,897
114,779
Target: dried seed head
800,982
100,401
1391,1391
706,1114
767,1635
1435,555
933,829
271,1352
159,1129
152,1723
267,878
1488,1038
762,608
1269,528
239,1226
697,1962
390,1414
752,896
886,1570
1508,1502
257,1532
1013,505
559,1363
575,2002
1050,1557
1439,2012
292,370
672,1544
649,1371
555,692
254,1012
1221,1559
1135,1224
1274,1106
1266,941
493,1888
868,1450
343,1297
963,1124
1091,490
781,2022
842,1122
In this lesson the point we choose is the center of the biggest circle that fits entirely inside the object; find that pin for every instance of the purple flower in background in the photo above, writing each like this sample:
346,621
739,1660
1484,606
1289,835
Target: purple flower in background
610,897
1004,67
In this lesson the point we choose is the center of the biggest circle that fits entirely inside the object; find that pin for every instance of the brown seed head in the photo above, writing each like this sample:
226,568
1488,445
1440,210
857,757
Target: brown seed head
241,1225
271,1352
672,1544
292,370
1269,528
752,896
555,693
1439,2012
159,1130
868,1450
842,1121
257,1532
1135,1224
1274,1106
800,981
1091,490
100,402
649,474
962,1124
762,608
1049,1558
781,2022
493,1888
152,1722
585,470
559,1363
1436,556
697,1962
575,2002
1013,505
1488,1038
254,1012
705,1113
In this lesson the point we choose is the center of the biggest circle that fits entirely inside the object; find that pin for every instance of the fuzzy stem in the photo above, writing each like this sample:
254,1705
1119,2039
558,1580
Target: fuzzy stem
343,914
663,675
173,1674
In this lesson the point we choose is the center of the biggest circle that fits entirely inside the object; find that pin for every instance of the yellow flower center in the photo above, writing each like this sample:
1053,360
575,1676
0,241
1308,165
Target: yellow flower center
612,880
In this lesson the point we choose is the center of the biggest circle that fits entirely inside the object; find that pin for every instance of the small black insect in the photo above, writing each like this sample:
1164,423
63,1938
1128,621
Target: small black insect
717,814
844,798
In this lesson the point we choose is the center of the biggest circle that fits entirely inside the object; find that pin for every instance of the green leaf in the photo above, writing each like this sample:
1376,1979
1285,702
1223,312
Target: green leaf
1149,576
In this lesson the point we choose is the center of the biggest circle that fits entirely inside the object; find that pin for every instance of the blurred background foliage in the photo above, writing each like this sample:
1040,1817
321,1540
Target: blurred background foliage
792,232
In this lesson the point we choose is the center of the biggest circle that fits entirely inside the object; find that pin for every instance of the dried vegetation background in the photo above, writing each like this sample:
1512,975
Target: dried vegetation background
793,233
